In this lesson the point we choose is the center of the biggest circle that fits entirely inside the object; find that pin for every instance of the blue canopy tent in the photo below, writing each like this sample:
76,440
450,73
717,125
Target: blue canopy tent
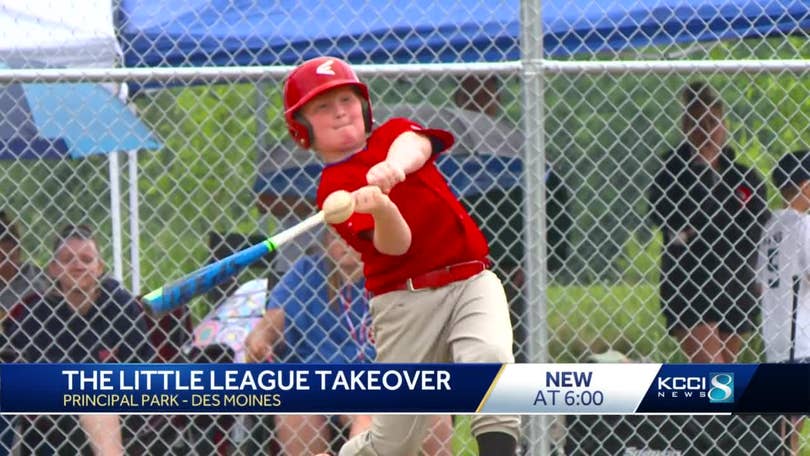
72,120
273,32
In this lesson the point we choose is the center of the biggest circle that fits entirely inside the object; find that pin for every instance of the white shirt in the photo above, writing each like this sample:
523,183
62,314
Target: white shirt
784,253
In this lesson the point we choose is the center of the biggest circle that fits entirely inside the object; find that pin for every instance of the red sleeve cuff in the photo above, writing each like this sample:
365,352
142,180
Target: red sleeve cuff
441,140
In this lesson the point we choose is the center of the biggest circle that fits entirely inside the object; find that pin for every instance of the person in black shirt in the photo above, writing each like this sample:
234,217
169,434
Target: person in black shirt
84,318
711,211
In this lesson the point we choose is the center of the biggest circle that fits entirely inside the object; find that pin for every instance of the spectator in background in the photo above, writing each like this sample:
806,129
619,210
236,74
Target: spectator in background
711,211
784,275
319,313
499,213
85,318
287,210
18,281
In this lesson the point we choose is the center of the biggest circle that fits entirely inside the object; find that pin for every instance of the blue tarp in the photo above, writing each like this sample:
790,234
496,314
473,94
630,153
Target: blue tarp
271,32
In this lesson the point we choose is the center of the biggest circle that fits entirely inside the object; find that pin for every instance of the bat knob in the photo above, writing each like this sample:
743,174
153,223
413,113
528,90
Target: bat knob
338,207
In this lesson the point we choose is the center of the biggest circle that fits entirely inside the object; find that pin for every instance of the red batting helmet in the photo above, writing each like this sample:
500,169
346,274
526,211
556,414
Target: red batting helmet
311,79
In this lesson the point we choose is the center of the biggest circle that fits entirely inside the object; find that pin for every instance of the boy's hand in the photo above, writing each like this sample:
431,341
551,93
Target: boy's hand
370,200
392,235
257,347
385,175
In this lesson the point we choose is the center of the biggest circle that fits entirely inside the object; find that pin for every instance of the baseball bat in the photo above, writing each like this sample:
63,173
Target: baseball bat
337,208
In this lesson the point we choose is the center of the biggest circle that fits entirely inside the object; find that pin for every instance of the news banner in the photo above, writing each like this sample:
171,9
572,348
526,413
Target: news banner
405,388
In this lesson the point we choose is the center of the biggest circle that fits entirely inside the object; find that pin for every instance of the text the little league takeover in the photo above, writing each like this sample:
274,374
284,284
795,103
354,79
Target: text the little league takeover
407,388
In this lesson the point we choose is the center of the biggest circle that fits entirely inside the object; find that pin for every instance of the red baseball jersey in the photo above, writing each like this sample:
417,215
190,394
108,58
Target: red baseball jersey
443,233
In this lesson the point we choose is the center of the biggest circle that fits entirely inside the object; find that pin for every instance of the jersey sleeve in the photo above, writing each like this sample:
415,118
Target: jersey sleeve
351,174
665,195
440,140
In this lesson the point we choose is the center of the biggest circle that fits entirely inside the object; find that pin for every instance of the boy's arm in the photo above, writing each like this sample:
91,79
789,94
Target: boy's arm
104,434
267,333
407,153
392,235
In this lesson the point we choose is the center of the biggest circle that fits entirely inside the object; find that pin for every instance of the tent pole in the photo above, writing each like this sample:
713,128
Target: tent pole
134,227
115,214
537,429
262,130
134,222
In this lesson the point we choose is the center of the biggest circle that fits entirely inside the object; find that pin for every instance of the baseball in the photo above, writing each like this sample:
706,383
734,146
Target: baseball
338,207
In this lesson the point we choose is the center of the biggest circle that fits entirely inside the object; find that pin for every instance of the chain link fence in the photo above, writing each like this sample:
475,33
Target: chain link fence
200,165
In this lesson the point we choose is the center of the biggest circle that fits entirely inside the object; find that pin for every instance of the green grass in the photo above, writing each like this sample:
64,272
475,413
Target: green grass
463,442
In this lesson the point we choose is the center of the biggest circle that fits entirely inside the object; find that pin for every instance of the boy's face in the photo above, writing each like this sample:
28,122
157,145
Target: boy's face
336,117
76,265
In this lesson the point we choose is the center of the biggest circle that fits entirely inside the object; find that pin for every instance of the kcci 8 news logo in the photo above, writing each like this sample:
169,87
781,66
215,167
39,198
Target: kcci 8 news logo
717,386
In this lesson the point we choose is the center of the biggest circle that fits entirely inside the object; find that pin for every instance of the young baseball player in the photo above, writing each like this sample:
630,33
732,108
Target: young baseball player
433,299
784,265
784,269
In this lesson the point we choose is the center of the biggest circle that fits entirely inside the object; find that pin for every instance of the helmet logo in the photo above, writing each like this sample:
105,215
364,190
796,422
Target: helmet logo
326,68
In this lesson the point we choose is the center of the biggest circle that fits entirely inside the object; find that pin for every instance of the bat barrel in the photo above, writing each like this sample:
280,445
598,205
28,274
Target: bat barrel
169,297
172,296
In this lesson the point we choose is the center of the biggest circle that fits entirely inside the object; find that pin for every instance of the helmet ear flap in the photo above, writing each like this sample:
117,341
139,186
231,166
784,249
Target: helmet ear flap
367,117
307,140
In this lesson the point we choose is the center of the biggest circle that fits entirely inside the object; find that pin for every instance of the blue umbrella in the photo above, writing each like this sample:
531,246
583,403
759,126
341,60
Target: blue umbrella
60,120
